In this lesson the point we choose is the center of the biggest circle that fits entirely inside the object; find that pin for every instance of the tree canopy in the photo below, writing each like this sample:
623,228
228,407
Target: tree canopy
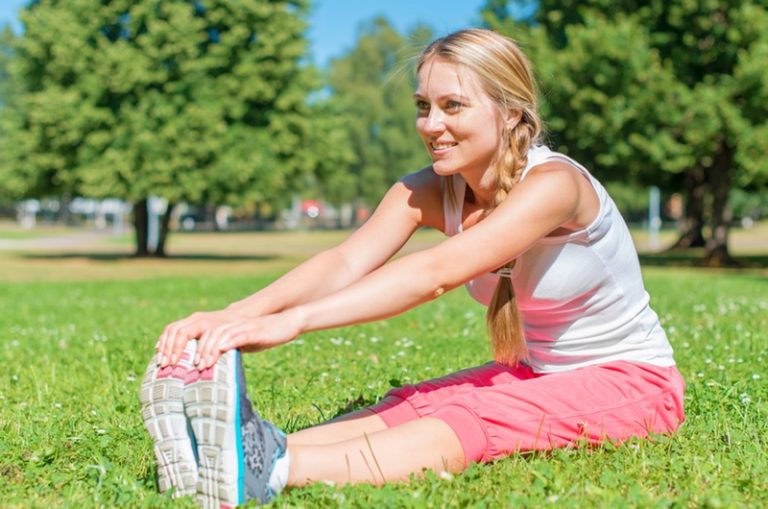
372,86
203,102
672,93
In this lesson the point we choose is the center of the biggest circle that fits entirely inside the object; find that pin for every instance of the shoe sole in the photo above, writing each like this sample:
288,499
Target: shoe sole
162,408
211,401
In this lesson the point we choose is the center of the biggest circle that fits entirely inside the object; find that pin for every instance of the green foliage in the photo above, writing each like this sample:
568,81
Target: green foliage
667,93
6,42
654,85
371,87
204,102
602,103
75,353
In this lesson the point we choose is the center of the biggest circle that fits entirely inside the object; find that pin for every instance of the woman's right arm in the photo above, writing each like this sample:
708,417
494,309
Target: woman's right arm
413,202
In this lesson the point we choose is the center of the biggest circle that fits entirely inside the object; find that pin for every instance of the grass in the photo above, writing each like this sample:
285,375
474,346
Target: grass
74,348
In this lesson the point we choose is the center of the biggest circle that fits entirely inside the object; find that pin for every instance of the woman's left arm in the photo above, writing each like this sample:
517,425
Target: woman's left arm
543,202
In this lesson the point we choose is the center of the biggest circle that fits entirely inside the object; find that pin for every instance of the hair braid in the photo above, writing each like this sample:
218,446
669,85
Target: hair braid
505,325
506,76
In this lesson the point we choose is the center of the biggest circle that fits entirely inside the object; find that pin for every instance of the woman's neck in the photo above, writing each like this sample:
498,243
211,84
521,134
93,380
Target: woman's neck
480,191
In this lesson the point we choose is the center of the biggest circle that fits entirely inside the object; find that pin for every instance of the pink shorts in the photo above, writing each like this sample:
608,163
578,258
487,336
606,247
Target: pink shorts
496,410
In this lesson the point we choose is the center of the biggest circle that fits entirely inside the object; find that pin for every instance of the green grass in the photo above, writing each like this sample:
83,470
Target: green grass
74,353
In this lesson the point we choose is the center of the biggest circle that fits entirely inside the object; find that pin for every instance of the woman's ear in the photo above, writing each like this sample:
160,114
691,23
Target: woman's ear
513,118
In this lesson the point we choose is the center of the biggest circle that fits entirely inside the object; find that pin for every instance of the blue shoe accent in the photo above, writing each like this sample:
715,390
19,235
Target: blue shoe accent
236,448
240,389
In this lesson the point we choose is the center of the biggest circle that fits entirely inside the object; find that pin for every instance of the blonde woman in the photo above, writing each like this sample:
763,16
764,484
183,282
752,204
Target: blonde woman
579,354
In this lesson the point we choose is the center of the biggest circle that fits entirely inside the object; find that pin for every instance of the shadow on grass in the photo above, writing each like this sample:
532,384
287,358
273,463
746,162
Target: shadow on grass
354,404
695,258
114,257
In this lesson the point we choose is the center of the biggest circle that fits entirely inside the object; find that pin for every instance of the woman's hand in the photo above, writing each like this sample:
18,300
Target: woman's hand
248,334
174,338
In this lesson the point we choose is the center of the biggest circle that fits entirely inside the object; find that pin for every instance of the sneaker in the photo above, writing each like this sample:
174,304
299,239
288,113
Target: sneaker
237,450
162,407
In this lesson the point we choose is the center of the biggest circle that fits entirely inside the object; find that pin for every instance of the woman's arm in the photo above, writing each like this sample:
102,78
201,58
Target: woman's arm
539,205
408,205
543,202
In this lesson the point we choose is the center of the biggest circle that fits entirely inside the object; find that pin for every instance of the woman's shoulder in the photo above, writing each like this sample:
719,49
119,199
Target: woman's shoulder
425,178
425,193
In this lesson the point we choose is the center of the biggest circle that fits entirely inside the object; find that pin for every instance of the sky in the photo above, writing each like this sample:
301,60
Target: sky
334,24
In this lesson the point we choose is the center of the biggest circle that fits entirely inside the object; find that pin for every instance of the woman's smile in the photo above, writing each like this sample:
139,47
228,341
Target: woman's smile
440,148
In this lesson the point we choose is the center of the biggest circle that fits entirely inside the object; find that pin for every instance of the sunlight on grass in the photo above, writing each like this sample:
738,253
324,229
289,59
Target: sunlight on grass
79,323
75,352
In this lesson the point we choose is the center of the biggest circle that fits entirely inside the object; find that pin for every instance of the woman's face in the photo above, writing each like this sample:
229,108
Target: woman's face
458,122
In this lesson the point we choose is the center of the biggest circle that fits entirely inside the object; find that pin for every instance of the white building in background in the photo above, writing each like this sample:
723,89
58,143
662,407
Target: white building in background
103,214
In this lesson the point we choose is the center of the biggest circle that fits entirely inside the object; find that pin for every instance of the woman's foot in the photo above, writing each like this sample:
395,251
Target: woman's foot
237,450
162,407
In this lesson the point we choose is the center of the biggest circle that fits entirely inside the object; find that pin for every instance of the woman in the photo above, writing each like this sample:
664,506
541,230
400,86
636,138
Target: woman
579,354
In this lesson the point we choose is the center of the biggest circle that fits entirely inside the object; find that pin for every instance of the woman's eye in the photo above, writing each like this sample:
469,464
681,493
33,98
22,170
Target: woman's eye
422,105
453,105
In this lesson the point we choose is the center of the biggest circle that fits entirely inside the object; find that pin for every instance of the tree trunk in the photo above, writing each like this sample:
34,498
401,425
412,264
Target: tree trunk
164,229
63,217
141,217
141,227
691,234
720,181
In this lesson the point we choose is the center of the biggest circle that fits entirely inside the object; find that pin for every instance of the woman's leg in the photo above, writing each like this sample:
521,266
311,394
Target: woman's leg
345,427
391,454
408,403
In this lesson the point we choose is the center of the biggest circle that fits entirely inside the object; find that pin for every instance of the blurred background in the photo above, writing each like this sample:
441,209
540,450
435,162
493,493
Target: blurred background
148,117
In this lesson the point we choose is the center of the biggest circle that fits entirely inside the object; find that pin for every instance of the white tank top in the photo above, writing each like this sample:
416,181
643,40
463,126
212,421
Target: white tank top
581,295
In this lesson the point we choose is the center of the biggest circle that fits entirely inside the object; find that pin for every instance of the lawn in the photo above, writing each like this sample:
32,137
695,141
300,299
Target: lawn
75,343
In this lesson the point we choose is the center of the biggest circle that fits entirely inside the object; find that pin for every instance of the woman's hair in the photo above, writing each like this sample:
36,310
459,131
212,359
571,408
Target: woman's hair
505,75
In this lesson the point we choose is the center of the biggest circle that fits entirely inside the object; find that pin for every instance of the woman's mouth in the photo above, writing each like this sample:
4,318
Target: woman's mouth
438,148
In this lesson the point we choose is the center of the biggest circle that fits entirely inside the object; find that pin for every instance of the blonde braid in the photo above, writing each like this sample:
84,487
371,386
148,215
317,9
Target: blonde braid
506,76
505,325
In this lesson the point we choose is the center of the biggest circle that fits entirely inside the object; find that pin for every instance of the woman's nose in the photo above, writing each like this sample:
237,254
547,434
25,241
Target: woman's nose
435,121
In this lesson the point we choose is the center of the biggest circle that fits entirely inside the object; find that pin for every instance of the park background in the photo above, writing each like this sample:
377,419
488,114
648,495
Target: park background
157,158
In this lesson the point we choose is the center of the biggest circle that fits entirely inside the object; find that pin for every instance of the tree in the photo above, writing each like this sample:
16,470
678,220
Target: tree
202,101
372,86
6,43
6,87
664,92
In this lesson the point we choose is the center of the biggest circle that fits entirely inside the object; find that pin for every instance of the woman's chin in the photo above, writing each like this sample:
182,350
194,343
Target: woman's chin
444,170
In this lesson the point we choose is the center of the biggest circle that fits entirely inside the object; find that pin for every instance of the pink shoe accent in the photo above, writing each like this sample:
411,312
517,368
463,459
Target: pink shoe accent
178,371
193,375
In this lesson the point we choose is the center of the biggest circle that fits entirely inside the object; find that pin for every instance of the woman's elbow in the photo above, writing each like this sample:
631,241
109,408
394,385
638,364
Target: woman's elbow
441,280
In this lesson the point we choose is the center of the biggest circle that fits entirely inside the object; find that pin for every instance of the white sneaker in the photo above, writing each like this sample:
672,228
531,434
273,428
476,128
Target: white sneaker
162,407
237,450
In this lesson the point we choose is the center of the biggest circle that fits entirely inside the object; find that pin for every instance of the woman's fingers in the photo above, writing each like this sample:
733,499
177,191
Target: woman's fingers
165,344
218,332
175,336
218,340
